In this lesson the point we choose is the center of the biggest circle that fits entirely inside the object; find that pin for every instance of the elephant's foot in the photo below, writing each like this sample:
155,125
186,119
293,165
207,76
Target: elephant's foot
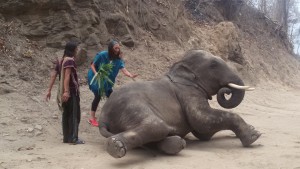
250,136
171,145
115,147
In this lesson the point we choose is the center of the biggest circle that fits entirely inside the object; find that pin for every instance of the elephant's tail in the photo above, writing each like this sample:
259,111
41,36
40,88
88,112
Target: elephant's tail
104,132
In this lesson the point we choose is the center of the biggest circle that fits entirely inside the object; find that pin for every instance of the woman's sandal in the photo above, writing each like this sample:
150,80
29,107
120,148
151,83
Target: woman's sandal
78,141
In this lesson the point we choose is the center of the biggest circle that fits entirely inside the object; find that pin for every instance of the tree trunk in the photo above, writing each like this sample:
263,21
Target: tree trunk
230,8
263,6
285,15
281,13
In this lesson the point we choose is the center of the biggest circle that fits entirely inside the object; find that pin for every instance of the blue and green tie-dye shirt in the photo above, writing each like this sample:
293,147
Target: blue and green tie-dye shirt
103,58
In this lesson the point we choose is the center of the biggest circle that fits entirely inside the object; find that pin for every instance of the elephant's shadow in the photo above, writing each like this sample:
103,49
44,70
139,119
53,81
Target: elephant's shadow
218,141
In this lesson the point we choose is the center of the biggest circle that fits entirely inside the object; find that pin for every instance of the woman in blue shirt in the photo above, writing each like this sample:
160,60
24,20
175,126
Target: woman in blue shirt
112,55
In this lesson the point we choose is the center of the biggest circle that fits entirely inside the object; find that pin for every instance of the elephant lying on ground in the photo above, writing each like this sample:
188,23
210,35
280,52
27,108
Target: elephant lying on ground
165,110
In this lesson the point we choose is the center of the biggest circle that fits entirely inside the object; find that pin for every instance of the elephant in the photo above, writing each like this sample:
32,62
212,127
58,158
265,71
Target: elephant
163,111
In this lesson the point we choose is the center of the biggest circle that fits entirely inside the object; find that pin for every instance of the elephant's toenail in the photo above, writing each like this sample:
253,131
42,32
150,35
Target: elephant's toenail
119,143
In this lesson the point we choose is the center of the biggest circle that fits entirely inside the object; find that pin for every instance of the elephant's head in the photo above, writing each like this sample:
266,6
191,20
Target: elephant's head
209,73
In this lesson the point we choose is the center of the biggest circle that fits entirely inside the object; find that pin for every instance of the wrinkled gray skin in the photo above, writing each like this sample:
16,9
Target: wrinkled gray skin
163,111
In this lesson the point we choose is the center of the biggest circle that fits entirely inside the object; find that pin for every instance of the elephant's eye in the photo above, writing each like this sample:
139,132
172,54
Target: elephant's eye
213,64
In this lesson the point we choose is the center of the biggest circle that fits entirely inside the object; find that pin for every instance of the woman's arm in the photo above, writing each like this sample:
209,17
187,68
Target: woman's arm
67,77
93,68
127,73
52,80
97,61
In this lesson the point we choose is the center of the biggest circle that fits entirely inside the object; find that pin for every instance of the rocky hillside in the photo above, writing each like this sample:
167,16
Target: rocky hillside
154,34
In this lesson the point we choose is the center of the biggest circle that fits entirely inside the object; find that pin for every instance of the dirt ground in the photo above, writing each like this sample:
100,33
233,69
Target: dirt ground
30,128
31,136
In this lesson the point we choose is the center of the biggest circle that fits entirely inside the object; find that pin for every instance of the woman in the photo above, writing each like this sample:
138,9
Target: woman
112,55
68,94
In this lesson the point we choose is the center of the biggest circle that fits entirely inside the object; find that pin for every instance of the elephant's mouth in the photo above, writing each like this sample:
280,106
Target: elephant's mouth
232,95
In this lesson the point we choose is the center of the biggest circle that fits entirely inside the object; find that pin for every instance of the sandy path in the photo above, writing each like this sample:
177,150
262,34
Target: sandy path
30,137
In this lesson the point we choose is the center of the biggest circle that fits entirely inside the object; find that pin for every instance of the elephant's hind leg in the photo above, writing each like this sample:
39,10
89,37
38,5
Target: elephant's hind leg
171,145
119,144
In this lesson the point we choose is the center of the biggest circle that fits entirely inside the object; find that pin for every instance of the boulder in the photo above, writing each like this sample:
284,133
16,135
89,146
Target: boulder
127,41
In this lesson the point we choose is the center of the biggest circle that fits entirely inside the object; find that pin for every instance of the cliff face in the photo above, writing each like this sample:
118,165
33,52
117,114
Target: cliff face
154,35
94,22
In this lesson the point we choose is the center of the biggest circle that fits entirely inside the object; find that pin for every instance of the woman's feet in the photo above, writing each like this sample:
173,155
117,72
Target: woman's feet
74,142
78,141
93,122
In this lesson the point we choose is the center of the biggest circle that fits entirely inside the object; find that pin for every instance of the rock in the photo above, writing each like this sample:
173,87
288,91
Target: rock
128,41
235,54
38,133
41,158
88,17
153,23
10,139
3,123
44,26
5,90
1,18
24,120
116,25
81,57
92,51
30,129
2,43
39,127
27,54
55,41
26,148
25,6
55,117
92,40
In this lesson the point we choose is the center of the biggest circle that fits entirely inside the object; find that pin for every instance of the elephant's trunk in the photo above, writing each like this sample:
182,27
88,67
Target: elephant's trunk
235,99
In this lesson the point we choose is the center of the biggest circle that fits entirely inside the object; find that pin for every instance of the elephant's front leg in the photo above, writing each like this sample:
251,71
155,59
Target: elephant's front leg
205,122
151,130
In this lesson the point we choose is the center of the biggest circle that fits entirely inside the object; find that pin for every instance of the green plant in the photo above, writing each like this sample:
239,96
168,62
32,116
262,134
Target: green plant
102,76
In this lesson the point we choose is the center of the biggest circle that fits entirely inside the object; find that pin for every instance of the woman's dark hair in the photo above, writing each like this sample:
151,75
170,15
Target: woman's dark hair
70,49
111,53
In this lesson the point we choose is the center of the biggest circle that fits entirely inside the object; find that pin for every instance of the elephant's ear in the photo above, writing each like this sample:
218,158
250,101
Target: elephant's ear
180,73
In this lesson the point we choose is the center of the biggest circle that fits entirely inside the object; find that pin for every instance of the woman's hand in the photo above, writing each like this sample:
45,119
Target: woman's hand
127,73
48,95
65,96
134,75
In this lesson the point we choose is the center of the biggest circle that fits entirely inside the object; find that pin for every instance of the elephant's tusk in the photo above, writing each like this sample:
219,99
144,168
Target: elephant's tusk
250,89
238,87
